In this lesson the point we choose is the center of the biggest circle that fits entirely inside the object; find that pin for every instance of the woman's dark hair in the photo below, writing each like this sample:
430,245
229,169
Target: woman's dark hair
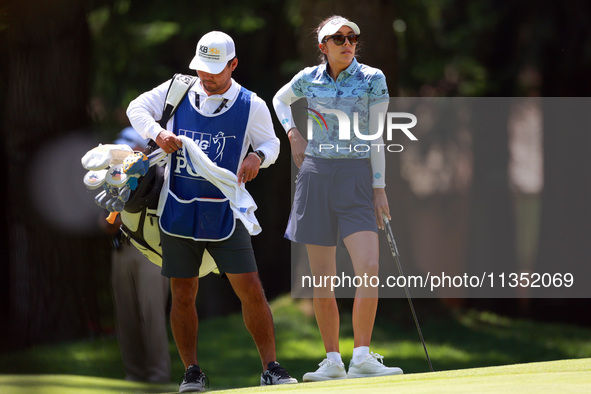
322,57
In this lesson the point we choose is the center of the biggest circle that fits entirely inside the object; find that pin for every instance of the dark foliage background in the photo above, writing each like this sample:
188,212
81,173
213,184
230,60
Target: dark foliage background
70,67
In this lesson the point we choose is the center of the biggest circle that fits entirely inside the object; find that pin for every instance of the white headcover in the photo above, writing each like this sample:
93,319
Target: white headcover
102,156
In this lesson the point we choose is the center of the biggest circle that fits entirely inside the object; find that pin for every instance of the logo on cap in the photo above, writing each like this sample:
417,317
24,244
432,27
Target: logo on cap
209,53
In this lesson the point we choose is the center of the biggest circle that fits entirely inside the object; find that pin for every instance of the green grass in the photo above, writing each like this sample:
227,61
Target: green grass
565,376
74,384
458,341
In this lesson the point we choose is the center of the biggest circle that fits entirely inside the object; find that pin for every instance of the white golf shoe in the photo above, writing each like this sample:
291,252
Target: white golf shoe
328,370
373,365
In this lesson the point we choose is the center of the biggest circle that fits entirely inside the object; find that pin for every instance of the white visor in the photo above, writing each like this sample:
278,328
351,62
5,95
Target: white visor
334,25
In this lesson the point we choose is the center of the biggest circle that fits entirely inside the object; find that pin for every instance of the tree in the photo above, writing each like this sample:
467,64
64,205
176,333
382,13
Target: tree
461,208
52,270
565,61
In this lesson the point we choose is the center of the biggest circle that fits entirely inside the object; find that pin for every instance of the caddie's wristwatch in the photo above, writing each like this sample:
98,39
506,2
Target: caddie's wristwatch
261,155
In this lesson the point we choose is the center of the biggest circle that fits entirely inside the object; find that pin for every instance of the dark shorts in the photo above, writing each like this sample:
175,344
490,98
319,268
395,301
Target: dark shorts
333,199
181,257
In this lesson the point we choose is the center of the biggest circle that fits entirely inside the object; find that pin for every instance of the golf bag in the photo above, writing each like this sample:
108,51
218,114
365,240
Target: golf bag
140,223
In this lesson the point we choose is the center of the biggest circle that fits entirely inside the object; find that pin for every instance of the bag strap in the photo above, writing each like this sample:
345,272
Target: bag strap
179,86
177,90
140,239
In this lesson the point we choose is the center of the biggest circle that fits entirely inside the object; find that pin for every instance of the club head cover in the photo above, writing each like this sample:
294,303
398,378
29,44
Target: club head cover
132,182
136,164
94,179
115,176
103,156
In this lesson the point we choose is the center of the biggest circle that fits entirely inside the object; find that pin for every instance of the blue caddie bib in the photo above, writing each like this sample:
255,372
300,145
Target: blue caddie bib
194,207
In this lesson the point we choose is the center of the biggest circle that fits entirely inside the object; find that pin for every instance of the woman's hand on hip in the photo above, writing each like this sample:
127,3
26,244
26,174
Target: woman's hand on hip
298,146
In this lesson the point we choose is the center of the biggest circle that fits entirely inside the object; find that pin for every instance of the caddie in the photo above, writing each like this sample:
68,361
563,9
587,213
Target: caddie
224,120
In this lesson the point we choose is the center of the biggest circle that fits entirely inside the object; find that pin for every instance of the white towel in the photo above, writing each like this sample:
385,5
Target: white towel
241,201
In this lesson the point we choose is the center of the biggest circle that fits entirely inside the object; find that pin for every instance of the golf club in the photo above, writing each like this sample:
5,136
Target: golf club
394,249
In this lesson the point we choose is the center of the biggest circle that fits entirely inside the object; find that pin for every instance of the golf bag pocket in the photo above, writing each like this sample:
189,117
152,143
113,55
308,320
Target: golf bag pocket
141,230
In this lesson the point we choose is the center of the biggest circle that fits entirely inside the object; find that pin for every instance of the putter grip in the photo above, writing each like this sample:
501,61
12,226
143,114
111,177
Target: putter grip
390,236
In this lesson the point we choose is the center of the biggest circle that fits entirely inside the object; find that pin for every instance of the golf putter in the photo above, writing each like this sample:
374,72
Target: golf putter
394,250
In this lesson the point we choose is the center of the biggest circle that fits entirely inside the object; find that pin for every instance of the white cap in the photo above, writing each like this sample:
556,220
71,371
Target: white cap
334,25
214,50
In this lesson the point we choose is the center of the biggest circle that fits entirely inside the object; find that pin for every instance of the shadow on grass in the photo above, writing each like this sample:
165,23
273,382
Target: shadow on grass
456,339
76,384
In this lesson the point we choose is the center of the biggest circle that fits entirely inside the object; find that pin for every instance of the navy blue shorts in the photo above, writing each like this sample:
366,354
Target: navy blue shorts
333,199
181,257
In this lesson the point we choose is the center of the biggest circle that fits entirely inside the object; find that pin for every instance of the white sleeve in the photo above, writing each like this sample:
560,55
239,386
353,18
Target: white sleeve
144,111
260,131
377,154
282,105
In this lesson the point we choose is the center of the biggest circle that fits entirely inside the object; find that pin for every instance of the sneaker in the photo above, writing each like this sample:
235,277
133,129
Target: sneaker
193,380
276,374
373,365
328,370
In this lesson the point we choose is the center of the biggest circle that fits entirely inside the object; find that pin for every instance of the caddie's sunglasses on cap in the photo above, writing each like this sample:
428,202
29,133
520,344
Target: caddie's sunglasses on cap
339,39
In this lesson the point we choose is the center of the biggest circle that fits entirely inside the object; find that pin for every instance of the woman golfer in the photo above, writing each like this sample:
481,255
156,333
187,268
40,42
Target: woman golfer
340,186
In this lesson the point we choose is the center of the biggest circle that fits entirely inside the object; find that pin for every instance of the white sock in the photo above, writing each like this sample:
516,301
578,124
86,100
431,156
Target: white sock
360,353
334,356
